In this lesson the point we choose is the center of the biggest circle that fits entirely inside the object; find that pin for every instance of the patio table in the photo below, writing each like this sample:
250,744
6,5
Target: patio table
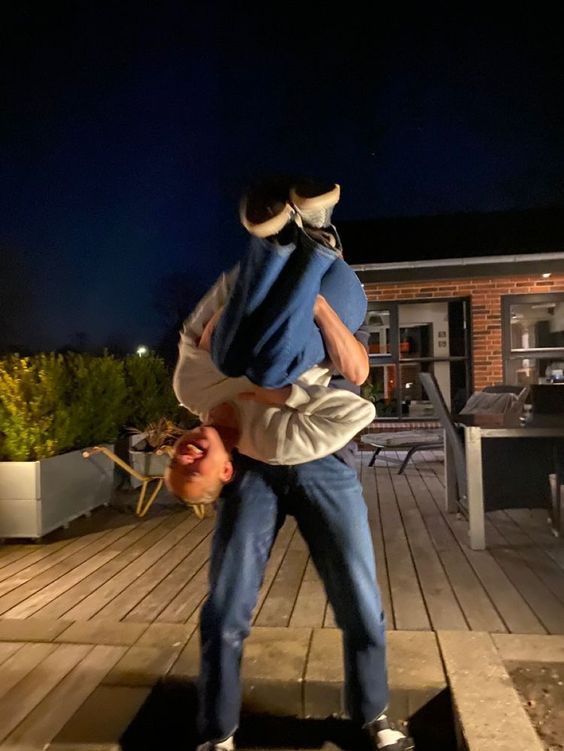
479,428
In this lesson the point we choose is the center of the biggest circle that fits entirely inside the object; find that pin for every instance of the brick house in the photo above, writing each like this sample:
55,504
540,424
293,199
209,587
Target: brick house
476,299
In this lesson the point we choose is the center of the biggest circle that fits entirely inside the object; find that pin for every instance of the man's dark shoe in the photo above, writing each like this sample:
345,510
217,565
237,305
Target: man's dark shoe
384,737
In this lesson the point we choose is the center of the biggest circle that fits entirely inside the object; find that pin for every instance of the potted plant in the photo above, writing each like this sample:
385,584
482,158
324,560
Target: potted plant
146,452
51,406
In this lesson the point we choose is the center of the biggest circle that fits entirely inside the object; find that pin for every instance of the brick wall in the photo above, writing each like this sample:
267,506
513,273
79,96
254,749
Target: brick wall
485,294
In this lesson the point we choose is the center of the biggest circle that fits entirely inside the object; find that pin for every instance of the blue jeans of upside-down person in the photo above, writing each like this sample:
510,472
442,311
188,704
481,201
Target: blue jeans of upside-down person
326,499
267,331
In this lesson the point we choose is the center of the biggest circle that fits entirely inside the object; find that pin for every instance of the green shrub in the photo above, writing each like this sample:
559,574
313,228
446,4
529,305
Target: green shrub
149,391
50,404
34,421
98,402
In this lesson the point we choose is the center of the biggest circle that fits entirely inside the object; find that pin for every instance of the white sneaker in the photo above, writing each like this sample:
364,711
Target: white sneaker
227,745
315,201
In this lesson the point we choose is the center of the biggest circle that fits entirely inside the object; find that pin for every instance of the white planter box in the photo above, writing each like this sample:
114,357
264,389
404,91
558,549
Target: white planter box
38,497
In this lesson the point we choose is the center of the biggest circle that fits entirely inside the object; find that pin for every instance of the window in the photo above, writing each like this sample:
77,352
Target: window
533,338
409,338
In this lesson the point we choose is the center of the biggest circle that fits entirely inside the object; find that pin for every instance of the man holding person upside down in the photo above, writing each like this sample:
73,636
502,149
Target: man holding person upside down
255,360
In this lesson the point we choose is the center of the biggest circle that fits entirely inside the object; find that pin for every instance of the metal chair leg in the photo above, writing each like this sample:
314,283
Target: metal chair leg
374,455
142,508
407,458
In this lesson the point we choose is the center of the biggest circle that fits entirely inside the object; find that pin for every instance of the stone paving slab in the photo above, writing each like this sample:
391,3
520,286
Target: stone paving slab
529,647
103,632
273,670
31,629
324,674
101,720
166,635
415,671
186,666
142,666
487,708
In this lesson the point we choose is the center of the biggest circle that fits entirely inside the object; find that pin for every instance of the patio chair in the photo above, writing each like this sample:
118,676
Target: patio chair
403,440
429,383
143,504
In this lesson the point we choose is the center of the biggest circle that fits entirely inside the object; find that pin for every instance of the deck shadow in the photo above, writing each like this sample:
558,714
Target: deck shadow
168,720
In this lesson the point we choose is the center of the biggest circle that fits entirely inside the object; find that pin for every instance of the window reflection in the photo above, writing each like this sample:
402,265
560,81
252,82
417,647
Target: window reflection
378,322
538,325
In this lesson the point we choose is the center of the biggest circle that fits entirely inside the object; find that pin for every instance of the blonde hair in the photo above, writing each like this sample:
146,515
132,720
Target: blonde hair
209,496
201,505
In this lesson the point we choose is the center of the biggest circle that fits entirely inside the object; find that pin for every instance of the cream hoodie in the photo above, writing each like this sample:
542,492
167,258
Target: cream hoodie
315,421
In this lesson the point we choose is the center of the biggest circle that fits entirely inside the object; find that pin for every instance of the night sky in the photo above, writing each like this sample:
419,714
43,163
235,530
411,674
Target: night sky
127,134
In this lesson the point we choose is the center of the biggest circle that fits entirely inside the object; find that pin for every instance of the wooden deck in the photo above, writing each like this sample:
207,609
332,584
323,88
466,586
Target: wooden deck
113,567
91,618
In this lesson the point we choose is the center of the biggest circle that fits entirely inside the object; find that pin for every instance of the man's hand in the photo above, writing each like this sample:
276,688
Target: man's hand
272,397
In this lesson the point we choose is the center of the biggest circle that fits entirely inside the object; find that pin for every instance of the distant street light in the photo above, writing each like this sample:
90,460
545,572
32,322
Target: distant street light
142,350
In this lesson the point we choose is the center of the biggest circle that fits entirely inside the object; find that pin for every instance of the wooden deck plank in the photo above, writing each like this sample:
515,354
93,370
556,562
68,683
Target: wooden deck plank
26,555
513,609
116,585
535,524
186,602
535,558
22,662
410,613
165,588
129,548
66,581
443,608
55,563
474,600
20,592
8,648
36,685
193,546
540,599
50,715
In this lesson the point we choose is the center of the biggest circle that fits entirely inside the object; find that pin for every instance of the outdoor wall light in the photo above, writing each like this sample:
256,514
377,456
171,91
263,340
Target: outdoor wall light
547,275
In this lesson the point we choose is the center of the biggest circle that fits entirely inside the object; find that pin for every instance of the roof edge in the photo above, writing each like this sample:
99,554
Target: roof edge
471,261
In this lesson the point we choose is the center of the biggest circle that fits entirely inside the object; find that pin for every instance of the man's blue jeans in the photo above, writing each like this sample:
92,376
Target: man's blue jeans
267,331
326,499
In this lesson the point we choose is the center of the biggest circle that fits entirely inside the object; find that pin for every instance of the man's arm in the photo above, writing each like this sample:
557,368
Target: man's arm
347,354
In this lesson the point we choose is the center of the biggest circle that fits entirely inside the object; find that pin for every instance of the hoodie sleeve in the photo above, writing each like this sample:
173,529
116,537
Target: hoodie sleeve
316,422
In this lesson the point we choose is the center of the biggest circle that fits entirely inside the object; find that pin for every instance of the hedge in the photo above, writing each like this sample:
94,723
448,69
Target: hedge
52,403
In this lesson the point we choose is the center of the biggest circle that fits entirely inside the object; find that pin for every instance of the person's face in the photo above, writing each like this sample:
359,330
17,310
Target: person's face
199,462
